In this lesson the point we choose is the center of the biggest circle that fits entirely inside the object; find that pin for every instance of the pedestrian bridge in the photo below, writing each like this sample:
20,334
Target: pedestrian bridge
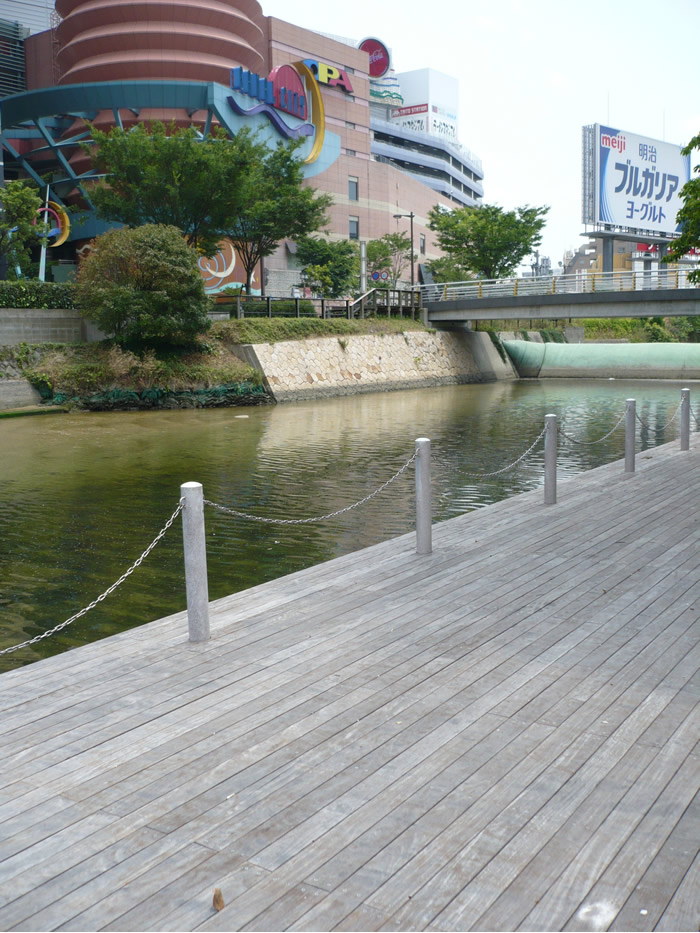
665,293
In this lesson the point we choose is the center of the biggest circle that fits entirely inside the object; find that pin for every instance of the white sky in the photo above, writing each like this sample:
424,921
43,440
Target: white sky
531,74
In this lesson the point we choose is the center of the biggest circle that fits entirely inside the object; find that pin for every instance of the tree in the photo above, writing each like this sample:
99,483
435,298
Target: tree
688,216
20,226
390,253
487,240
329,267
274,206
170,176
143,286
447,269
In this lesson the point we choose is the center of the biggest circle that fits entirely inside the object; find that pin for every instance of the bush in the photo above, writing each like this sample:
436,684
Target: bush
31,293
97,368
143,286
657,333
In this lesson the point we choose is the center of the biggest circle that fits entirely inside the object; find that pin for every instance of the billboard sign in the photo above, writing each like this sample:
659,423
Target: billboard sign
379,60
412,118
631,181
443,123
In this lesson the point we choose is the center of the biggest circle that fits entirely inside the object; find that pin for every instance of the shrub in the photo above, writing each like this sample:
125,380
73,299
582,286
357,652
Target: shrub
656,333
31,293
143,286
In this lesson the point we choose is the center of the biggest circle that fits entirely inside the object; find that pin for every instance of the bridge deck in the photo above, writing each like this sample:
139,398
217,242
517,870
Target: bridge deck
499,736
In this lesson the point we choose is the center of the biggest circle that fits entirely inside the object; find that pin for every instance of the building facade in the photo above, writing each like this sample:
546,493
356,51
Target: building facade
385,146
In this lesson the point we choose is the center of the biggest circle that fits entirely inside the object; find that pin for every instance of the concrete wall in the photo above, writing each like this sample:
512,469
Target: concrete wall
328,366
17,393
36,325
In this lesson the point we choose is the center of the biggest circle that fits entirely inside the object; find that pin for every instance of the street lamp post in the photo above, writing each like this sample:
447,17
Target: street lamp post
410,216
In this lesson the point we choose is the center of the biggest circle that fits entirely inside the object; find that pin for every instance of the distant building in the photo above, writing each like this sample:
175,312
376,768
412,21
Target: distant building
33,15
382,144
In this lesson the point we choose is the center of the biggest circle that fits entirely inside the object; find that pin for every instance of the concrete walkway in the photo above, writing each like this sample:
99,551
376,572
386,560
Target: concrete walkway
501,735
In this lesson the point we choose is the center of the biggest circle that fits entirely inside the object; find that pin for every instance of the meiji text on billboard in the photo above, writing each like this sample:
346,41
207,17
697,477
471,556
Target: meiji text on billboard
639,181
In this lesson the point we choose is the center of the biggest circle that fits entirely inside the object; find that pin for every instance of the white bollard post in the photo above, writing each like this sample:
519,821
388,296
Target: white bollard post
630,433
550,459
685,419
424,506
195,547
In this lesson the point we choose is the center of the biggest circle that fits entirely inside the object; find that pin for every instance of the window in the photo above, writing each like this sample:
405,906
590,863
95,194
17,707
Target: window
354,229
353,188
350,125
422,243
350,152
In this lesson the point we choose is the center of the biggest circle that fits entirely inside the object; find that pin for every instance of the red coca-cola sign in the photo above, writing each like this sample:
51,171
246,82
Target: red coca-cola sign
378,57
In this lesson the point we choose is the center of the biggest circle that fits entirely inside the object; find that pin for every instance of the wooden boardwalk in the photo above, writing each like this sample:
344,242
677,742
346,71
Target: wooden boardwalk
499,736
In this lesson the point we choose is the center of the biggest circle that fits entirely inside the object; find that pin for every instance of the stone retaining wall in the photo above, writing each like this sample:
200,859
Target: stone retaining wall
329,366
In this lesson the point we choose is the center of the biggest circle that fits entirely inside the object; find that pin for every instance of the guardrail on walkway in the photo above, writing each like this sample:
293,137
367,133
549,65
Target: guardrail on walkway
389,301
191,505
558,285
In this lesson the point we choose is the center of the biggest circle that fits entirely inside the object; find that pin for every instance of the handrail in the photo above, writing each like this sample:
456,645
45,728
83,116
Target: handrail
557,284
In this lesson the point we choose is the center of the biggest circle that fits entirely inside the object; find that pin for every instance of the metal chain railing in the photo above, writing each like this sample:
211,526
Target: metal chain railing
318,518
669,422
575,440
696,417
514,463
107,592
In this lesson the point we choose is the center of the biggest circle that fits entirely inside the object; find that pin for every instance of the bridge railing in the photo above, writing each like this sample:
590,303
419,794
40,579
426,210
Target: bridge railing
581,283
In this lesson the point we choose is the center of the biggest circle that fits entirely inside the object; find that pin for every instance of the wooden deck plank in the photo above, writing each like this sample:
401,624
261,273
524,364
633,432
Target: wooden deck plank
684,908
499,734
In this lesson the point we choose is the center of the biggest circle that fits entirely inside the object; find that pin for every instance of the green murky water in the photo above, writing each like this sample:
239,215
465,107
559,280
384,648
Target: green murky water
82,495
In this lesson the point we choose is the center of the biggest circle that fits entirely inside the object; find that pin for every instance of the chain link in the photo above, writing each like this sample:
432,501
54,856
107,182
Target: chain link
696,417
107,592
318,518
588,443
515,462
670,420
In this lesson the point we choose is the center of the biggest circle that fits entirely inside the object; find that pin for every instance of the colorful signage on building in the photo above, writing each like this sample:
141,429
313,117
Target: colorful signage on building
56,219
379,61
632,181
329,75
284,100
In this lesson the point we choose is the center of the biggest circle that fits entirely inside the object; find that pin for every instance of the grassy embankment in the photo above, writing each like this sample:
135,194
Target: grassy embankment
103,376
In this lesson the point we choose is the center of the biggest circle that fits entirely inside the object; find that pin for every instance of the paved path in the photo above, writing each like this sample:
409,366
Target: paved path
501,735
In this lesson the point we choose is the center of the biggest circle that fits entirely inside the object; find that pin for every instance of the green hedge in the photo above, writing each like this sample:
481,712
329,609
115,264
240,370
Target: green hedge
31,293
242,393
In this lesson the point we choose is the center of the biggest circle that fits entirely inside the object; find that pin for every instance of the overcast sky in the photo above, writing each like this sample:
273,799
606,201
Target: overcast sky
531,74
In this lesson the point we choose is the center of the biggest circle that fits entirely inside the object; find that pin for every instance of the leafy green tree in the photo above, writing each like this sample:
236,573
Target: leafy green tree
165,175
688,216
143,286
274,205
20,227
447,269
391,253
487,240
329,267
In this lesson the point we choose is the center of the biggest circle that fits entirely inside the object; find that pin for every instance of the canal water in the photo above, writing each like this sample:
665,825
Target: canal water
83,494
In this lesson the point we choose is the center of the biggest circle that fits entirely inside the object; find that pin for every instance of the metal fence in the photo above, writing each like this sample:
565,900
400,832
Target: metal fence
558,284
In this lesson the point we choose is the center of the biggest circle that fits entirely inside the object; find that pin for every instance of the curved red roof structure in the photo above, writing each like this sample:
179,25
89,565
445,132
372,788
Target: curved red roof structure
171,40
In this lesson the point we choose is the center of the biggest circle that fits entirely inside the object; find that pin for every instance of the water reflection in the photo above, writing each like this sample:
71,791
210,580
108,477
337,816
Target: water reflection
84,494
